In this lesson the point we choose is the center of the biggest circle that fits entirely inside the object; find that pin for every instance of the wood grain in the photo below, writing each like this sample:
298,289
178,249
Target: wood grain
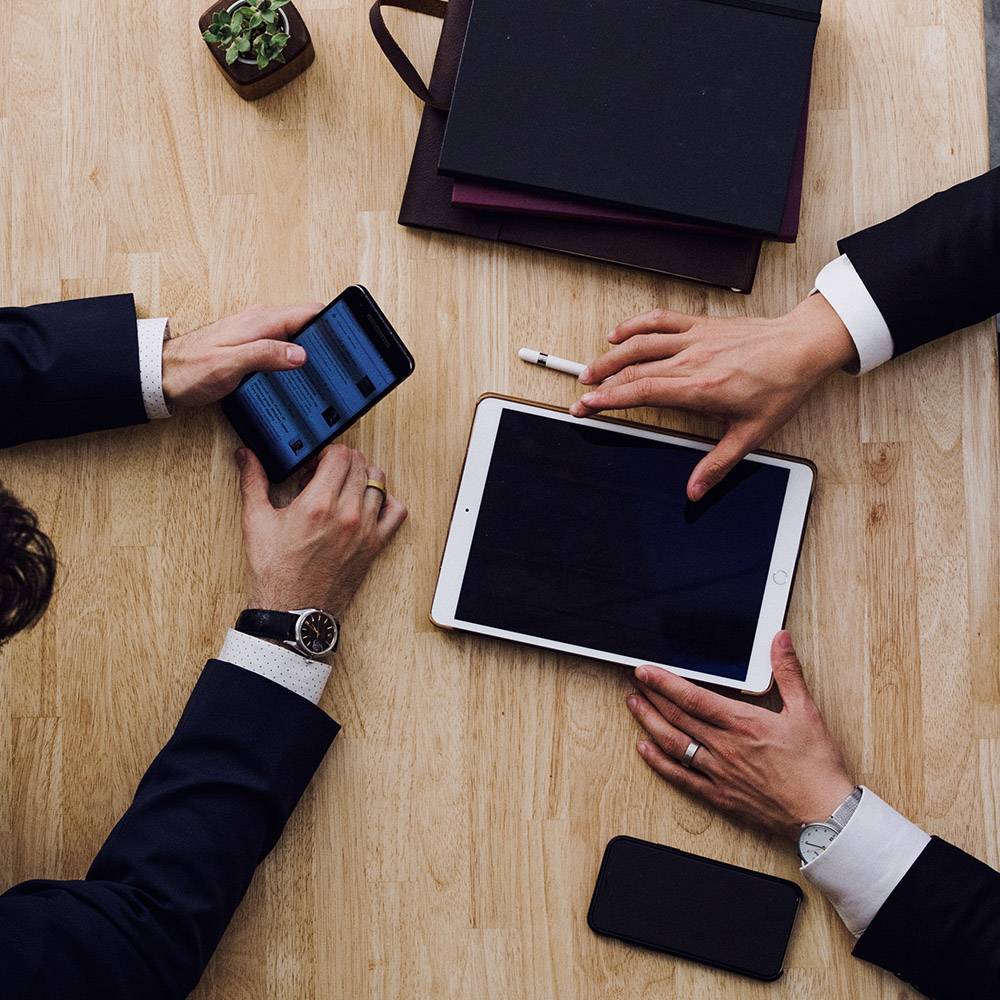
449,843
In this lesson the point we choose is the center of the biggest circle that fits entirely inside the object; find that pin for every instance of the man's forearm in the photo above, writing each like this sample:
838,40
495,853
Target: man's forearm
164,886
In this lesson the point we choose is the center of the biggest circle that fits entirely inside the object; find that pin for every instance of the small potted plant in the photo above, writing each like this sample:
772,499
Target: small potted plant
259,45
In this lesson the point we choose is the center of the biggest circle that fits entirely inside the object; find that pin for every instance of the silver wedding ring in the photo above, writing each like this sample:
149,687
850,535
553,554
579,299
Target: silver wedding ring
688,757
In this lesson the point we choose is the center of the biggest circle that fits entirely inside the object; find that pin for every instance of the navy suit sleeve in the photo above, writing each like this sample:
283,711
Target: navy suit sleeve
68,368
936,267
164,886
940,927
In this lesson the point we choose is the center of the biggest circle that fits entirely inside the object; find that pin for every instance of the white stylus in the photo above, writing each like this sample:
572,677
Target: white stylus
550,361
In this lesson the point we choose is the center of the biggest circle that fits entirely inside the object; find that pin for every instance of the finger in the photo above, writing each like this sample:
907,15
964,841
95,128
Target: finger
253,483
275,322
633,352
685,778
660,369
265,356
373,499
694,702
331,473
354,485
736,443
672,741
307,472
679,391
390,517
788,670
654,321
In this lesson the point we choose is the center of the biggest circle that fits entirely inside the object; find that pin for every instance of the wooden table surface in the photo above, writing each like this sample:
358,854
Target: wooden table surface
448,845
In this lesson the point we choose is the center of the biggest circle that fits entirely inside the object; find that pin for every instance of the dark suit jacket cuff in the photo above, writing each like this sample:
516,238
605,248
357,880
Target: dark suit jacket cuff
940,927
72,367
933,268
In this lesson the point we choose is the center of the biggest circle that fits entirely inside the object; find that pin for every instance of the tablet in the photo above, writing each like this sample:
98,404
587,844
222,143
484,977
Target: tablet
576,535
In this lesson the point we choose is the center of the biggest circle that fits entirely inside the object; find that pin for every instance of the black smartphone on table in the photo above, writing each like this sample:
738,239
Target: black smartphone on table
693,907
353,359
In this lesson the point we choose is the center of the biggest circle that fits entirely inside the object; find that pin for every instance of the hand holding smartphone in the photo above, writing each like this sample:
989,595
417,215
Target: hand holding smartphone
353,359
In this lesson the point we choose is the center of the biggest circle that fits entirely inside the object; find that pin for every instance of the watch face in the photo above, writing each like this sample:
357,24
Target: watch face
318,632
814,840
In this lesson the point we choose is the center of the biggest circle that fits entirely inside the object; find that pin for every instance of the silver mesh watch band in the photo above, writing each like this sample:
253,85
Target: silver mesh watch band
845,810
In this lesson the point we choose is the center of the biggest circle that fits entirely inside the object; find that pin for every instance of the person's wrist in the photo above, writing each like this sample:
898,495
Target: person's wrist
818,340
822,802
291,599
169,372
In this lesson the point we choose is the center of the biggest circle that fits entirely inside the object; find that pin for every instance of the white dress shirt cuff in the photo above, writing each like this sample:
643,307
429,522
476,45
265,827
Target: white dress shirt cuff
841,286
152,333
283,666
866,861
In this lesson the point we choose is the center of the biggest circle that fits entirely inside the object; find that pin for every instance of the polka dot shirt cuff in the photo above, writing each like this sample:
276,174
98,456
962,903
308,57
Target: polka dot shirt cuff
282,665
152,333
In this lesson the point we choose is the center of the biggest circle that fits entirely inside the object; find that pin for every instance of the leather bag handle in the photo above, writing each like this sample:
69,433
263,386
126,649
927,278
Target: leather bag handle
396,56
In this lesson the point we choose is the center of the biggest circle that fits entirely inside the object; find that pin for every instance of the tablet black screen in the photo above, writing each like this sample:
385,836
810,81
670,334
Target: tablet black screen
585,536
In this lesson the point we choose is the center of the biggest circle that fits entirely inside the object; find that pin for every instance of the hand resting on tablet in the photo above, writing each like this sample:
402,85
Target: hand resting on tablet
775,770
751,373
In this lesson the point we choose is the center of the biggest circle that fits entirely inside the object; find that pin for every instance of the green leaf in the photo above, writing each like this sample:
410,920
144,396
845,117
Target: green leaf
280,41
209,37
269,17
279,57
255,20
243,43
262,60
237,22
278,3
231,54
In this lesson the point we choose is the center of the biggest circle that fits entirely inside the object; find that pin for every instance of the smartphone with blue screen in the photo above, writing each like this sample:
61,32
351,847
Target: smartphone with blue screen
353,359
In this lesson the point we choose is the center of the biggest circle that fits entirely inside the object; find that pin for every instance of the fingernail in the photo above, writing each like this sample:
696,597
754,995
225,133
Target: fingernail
585,375
632,701
641,673
785,642
642,746
611,334
588,398
295,354
698,491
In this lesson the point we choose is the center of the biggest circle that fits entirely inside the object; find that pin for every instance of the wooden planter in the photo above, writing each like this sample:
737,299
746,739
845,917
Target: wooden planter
246,79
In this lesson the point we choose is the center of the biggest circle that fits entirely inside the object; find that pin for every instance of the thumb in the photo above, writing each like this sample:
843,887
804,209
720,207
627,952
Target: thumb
267,356
253,482
720,461
787,669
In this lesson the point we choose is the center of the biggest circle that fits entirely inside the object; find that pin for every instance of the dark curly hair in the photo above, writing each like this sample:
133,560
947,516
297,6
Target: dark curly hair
27,567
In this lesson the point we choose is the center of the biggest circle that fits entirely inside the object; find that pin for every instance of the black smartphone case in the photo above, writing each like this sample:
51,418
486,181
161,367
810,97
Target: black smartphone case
693,907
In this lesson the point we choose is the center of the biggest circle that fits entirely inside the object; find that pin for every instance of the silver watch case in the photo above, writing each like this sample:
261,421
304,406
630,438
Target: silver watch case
298,643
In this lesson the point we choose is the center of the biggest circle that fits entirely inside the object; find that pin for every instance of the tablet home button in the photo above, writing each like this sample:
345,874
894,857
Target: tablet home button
780,577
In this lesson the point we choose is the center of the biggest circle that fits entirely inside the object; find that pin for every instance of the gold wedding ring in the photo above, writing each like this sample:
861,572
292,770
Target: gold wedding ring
376,485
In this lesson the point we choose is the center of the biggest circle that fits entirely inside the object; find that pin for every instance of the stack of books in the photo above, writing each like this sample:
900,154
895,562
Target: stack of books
663,134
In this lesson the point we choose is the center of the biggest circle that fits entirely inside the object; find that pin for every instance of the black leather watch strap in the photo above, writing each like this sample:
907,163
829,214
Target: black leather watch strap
267,624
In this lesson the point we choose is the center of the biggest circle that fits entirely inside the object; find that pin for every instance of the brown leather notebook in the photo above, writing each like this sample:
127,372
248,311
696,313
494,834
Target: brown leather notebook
729,261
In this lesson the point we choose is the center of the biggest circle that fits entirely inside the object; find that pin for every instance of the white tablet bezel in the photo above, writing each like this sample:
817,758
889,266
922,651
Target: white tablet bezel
465,514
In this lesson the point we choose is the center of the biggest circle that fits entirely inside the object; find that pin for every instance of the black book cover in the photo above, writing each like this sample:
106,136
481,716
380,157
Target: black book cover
686,107
726,260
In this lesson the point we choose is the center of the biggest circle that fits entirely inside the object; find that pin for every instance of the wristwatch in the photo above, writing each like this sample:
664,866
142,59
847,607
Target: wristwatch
309,631
815,838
